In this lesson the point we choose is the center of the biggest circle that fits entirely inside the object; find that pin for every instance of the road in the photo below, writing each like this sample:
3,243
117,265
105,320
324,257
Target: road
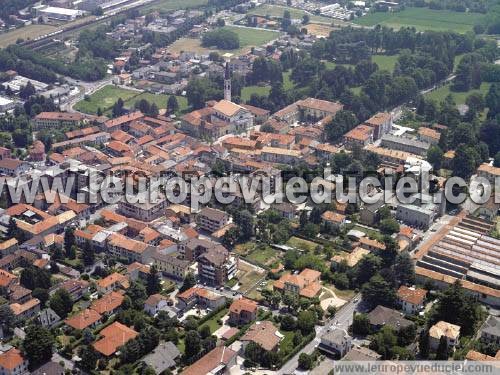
341,320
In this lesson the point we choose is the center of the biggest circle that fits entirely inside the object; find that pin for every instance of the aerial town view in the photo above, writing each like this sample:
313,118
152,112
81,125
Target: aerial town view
249,187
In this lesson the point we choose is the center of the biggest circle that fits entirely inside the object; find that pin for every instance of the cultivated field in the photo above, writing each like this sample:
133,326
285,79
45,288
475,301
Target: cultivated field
319,29
423,19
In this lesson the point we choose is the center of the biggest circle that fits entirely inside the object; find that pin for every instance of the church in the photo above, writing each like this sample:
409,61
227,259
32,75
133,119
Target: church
218,117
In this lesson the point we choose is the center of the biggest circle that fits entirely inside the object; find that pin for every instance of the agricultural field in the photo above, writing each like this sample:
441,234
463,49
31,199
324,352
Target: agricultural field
319,29
441,93
424,19
277,11
27,32
108,95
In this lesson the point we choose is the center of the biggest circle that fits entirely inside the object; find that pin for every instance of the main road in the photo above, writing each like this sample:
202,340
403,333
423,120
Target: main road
341,320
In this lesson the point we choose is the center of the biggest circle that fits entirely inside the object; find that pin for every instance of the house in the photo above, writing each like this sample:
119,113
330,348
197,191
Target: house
370,213
12,362
87,318
8,247
217,361
155,303
286,210
371,245
204,298
147,211
57,120
113,336
349,259
305,284
75,288
489,172
49,368
112,282
13,167
381,124
337,342
490,331
27,309
411,299
429,135
162,357
336,219
210,219
312,109
360,136
242,311
448,330
280,155
384,316
264,334
170,265
48,318
108,304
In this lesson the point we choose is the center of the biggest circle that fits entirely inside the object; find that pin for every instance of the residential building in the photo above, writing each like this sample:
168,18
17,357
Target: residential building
336,342
264,334
12,362
13,167
285,209
155,303
489,172
405,144
360,136
381,124
217,266
242,311
305,284
429,135
312,109
210,219
145,211
490,331
280,155
133,250
113,336
382,316
27,309
48,318
336,219
349,259
112,282
216,362
75,288
361,354
108,304
162,357
411,299
87,318
57,120
371,245
170,265
450,331
201,297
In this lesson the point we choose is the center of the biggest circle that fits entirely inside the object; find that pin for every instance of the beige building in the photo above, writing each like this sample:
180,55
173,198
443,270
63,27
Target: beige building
448,330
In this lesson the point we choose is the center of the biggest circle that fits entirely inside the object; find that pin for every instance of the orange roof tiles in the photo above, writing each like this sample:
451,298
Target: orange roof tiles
107,303
243,304
114,278
83,319
114,336
333,217
11,359
414,296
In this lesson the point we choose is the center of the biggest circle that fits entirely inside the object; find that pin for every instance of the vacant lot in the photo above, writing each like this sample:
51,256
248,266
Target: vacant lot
441,93
424,19
319,29
301,244
265,256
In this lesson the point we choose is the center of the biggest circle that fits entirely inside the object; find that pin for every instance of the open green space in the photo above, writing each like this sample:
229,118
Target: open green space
212,322
265,256
424,19
268,10
385,62
105,97
301,244
251,36
174,4
247,91
459,97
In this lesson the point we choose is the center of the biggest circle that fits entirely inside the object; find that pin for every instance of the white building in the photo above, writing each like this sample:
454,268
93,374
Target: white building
61,14
6,104
337,342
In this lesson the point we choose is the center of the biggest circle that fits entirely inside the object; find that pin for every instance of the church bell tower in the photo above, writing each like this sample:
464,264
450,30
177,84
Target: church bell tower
227,83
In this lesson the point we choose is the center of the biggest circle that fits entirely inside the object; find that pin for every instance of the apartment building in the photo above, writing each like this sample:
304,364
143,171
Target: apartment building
170,265
217,266
57,120
210,219
144,211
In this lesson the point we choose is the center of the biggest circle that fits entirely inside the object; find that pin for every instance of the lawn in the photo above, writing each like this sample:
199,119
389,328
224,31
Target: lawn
441,93
247,91
108,95
372,233
104,98
424,19
248,276
265,256
286,345
302,244
175,4
385,62
212,322
277,11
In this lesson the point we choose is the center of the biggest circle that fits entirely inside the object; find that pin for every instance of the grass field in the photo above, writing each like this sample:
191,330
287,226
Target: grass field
301,244
424,19
277,11
175,4
212,323
108,95
265,256
441,93
248,38
247,91
385,62
27,32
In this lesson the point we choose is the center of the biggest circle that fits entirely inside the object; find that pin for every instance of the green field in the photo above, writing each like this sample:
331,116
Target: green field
253,37
265,256
175,4
247,91
424,19
277,11
108,95
301,244
385,62
441,93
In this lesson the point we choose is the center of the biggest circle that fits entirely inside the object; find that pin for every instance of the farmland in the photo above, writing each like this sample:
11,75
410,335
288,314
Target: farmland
423,19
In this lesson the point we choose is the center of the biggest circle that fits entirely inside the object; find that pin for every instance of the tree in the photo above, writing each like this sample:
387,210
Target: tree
153,285
435,156
442,352
403,269
423,344
61,302
38,345
286,21
189,282
172,104
389,226
384,342
41,294
7,319
221,38
305,19
342,122
306,321
88,254
118,110
496,161
137,294
361,324
192,343
288,323
245,222
27,91
253,352
305,361
465,161
367,267
89,358
69,240
378,291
